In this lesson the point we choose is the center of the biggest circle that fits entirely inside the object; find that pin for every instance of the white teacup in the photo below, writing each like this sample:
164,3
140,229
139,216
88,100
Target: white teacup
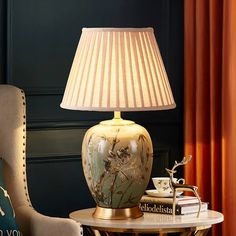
162,184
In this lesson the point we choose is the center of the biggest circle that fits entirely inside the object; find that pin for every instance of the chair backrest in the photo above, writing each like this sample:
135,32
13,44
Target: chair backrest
13,143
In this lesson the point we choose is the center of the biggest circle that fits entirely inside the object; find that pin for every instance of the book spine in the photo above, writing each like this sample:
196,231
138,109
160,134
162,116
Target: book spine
159,208
180,200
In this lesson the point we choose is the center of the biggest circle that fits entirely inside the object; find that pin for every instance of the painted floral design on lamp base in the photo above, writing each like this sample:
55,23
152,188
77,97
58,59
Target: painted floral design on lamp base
117,163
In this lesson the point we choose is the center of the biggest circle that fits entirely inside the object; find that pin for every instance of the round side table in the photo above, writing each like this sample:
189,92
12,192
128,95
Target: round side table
149,223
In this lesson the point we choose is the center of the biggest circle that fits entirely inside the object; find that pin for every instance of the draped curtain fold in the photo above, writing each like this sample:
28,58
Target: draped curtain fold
209,110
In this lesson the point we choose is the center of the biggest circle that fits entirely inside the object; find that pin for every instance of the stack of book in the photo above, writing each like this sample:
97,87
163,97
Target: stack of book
184,205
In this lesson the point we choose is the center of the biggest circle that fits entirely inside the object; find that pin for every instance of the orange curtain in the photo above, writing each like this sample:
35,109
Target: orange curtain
209,97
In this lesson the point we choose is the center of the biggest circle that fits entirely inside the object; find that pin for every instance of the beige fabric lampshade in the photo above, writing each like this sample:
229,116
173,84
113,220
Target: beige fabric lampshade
118,69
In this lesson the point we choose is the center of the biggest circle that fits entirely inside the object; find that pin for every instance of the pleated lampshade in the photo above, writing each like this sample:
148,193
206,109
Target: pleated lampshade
118,69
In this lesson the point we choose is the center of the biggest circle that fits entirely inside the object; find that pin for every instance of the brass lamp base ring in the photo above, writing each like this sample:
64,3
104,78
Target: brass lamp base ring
117,213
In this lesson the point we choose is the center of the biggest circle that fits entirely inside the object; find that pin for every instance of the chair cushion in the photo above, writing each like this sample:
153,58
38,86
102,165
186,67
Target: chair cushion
8,225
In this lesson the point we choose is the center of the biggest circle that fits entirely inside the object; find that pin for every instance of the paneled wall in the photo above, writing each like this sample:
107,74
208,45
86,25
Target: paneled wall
3,27
37,48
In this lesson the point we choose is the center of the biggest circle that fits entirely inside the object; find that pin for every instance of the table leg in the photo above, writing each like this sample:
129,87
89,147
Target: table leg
95,232
189,233
163,234
202,232
103,233
197,231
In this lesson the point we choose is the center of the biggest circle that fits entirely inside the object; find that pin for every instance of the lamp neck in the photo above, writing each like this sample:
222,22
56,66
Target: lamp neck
117,120
117,115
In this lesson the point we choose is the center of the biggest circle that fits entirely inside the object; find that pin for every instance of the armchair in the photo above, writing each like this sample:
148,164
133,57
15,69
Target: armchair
13,152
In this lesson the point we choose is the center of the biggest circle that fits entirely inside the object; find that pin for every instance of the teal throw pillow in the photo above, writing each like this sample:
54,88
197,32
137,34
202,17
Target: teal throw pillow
8,225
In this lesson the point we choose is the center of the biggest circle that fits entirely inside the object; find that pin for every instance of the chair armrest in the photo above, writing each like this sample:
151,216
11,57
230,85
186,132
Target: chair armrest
32,223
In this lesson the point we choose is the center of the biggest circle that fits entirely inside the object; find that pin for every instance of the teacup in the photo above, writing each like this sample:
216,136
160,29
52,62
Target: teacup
162,184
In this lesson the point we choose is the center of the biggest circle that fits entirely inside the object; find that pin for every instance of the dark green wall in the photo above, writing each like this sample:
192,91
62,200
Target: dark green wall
37,44
2,41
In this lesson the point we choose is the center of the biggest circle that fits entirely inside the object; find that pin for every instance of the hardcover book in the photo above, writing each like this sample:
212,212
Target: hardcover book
181,200
166,208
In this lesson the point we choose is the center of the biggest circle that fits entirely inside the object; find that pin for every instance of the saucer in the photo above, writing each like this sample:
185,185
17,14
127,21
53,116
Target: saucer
155,193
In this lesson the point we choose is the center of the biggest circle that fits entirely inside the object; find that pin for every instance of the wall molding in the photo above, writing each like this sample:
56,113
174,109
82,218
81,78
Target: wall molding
86,124
72,157
43,91
3,41
9,44
161,160
51,159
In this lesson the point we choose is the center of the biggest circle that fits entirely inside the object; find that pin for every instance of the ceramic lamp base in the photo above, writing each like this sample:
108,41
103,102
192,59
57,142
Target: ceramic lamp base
117,163
117,214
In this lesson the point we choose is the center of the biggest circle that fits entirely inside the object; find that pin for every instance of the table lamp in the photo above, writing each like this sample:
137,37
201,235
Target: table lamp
117,69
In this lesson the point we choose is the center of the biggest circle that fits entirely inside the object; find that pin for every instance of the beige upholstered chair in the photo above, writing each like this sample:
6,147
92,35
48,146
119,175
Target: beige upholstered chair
12,150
